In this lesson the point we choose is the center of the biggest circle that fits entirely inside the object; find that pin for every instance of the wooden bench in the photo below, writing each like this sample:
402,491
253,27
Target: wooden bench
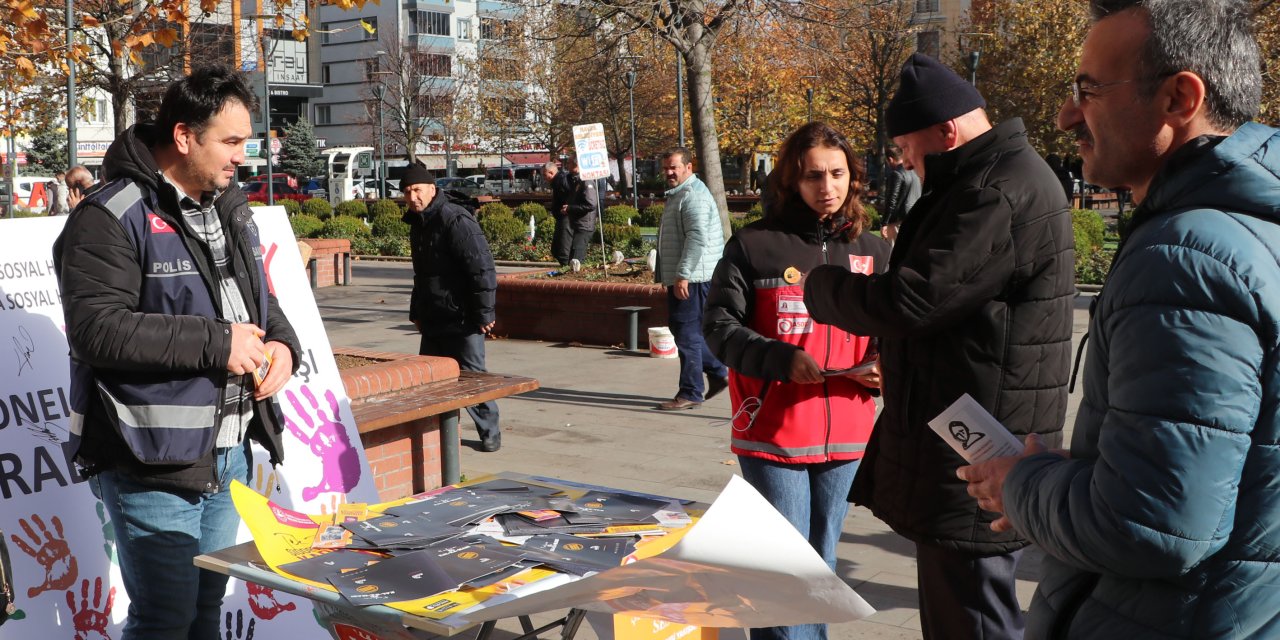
443,398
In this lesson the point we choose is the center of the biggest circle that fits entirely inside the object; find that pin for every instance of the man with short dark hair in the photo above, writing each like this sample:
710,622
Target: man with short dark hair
976,300
690,243
454,286
177,347
901,190
1163,519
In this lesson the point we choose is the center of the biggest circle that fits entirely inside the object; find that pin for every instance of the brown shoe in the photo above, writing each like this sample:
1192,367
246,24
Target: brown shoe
678,403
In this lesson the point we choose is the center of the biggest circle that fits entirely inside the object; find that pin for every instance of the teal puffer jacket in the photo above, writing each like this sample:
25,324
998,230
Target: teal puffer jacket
1165,521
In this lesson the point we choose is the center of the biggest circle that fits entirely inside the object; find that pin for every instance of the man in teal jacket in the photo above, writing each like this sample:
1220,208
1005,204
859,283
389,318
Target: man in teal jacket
1164,520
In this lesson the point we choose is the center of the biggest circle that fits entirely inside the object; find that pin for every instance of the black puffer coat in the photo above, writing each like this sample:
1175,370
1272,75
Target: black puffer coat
454,281
977,300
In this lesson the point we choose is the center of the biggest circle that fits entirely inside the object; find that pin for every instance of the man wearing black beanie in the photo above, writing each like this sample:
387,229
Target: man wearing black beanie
455,286
976,300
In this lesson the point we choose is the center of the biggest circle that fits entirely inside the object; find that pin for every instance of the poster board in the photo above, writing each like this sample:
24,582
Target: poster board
62,547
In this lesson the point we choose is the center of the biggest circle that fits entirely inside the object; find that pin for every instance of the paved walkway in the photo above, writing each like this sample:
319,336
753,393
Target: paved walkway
592,421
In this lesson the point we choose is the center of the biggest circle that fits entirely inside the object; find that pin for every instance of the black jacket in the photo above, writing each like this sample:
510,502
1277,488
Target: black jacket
454,281
119,328
584,198
561,192
977,300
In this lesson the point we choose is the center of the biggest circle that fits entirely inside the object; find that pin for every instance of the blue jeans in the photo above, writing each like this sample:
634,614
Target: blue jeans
468,350
685,320
158,534
815,499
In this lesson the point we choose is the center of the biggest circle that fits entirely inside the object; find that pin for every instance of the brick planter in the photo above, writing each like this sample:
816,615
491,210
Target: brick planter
404,455
329,256
574,311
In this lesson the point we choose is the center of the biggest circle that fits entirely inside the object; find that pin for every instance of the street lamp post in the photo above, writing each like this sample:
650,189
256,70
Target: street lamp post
808,93
266,103
380,173
72,160
631,97
973,68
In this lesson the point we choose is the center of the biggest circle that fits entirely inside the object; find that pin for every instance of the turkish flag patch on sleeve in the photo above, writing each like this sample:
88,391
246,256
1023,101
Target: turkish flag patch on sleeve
158,225
862,264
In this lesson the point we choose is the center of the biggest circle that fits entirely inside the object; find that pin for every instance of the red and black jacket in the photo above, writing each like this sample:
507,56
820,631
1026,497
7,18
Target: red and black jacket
755,320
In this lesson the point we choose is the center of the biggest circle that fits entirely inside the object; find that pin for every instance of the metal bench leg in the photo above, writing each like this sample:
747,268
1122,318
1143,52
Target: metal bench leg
449,455
633,329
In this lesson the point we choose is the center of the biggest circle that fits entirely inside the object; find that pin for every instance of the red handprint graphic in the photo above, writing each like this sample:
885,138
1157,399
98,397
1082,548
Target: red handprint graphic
339,462
51,551
91,622
264,604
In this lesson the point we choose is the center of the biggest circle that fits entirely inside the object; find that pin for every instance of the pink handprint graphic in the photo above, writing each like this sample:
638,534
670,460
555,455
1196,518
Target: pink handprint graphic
264,604
339,462
90,622
51,551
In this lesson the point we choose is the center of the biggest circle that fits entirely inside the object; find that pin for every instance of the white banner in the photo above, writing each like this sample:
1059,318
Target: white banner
61,543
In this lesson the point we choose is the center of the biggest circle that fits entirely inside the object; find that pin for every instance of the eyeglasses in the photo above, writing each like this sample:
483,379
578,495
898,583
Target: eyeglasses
1082,90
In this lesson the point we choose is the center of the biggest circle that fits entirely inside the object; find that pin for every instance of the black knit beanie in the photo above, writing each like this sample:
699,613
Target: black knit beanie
928,93
416,174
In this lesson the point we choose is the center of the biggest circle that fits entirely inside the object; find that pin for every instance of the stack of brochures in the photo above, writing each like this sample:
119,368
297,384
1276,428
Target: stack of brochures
478,535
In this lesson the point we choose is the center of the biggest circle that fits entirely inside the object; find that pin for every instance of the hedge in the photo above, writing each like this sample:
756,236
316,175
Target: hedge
390,225
305,226
494,208
651,216
291,207
1089,229
348,227
353,208
318,208
503,228
385,207
619,214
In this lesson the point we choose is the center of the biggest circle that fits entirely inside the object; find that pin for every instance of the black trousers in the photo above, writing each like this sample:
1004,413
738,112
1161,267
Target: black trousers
968,597
562,241
468,350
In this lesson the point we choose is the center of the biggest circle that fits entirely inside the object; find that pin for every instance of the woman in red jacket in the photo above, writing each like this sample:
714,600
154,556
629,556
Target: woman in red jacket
801,391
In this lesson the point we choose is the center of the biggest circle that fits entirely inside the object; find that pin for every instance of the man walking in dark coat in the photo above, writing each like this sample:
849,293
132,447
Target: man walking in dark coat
454,286
977,300
561,192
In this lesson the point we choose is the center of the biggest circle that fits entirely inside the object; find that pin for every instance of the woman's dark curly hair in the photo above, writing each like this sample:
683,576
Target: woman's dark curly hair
784,182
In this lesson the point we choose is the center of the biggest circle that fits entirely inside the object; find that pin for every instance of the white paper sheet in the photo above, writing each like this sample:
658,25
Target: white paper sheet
973,432
741,565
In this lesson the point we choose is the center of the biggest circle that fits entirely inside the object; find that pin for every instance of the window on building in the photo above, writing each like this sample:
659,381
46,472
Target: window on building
464,28
371,67
494,29
211,41
432,106
494,68
429,23
325,28
510,110
323,114
926,6
434,64
326,73
929,42
372,32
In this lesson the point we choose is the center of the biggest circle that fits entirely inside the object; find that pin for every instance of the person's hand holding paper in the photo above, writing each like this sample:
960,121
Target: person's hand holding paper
986,480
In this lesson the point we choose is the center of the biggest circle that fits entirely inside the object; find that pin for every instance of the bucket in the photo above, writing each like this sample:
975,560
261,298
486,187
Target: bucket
661,343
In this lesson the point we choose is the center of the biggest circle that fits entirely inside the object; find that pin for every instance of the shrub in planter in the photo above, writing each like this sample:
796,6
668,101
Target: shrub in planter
305,226
500,229
494,208
348,227
291,207
1092,266
1088,227
621,236
364,246
545,231
390,225
736,223
757,210
873,217
534,209
318,208
619,214
353,208
651,216
385,207
392,246
252,203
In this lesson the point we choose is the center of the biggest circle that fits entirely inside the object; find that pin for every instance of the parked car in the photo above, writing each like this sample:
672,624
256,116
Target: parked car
34,193
464,186
369,189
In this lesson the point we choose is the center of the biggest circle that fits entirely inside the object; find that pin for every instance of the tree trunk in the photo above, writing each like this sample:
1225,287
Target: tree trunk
120,95
698,68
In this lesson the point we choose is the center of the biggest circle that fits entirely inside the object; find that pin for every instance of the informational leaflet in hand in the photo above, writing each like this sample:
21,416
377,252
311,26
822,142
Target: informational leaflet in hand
973,432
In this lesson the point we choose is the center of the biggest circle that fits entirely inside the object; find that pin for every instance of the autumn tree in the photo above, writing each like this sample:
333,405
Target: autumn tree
1266,22
419,95
1029,54
760,86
